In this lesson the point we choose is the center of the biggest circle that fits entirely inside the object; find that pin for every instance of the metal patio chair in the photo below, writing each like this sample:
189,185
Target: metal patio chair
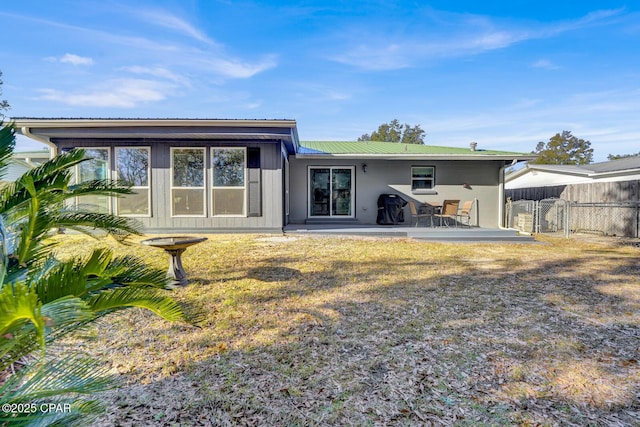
417,215
465,213
449,212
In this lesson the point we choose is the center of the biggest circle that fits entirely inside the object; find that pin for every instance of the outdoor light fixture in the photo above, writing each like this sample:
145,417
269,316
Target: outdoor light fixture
364,168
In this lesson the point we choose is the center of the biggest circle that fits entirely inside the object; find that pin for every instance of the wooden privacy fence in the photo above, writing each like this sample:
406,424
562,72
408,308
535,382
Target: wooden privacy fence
593,192
562,216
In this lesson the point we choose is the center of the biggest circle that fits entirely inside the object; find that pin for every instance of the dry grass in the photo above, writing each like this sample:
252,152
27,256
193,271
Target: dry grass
339,331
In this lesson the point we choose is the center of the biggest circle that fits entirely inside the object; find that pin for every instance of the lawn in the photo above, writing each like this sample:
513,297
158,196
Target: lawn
360,331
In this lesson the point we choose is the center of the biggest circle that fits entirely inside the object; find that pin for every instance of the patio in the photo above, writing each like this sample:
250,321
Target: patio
435,234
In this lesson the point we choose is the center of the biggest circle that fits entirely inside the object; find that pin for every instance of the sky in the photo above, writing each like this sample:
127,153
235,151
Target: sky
504,74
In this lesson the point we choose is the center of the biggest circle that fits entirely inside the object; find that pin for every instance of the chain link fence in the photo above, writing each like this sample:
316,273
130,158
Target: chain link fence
520,215
562,216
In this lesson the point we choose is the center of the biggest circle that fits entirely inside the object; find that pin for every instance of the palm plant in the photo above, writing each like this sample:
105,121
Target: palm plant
43,298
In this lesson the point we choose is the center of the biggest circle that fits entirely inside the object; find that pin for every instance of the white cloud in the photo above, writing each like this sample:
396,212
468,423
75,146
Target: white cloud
545,64
160,72
123,93
324,93
338,96
70,58
447,35
253,105
231,67
212,58
180,54
172,22
605,118
386,56
398,54
593,18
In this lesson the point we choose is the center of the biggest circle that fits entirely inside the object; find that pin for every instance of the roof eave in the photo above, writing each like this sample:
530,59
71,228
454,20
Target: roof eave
413,156
47,130
559,170
633,171
93,123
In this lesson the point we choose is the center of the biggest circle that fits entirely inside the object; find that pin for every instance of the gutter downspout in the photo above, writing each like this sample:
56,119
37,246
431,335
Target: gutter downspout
501,195
27,132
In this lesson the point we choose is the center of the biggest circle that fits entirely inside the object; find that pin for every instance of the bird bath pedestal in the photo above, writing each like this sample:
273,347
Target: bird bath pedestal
174,246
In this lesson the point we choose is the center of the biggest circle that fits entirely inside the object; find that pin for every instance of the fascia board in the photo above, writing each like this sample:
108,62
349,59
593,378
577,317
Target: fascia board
596,175
94,123
415,156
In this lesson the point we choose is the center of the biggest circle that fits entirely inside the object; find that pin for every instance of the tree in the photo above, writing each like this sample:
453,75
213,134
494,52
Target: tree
4,105
132,166
395,132
621,156
564,149
43,298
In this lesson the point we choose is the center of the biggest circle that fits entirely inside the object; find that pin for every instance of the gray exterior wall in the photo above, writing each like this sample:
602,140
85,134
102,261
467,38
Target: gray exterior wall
394,176
271,187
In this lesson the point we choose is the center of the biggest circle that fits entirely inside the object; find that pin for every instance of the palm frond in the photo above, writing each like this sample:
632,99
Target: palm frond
7,192
149,298
85,221
81,277
7,145
71,374
57,169
29,248
43,299
74,412
71,278
52,180
56,381
82,412
68,310
17,272
53,279
132,271
60,317
29,235
52,176
17,305
99,187
14,348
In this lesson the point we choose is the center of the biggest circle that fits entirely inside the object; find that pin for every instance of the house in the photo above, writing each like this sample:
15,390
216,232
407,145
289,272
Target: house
610,181
213,175
422,173
21,162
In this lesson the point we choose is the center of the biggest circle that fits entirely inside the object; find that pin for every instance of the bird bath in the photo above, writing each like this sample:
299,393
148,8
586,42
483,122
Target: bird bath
175,246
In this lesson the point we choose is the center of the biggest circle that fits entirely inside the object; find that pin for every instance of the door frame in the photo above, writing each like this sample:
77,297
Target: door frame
352,206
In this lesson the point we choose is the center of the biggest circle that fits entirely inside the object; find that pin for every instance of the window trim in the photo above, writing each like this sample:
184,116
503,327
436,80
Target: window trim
76,172
431,190
204,182
244,186
147,187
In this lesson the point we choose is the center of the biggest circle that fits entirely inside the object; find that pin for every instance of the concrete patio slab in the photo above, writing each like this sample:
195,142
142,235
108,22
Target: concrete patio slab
435,234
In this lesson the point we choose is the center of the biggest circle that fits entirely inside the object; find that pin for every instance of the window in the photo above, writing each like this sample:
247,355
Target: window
422,178
228,189
188,182
132,167
94,169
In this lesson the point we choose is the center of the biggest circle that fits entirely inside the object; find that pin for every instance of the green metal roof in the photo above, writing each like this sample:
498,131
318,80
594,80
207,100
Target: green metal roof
333,148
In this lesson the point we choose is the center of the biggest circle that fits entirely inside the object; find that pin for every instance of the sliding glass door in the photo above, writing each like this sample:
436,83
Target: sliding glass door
331,191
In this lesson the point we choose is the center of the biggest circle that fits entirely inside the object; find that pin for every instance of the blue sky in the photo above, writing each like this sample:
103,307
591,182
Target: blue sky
505,74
